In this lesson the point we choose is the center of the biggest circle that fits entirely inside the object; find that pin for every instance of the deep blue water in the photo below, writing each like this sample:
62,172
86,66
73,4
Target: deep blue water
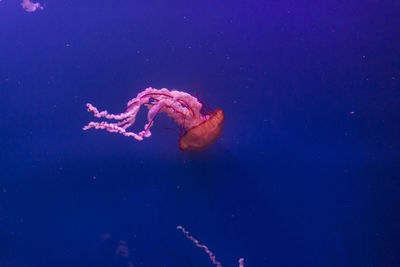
305,174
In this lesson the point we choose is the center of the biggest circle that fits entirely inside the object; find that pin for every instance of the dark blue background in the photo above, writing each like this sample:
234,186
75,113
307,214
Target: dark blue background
305,174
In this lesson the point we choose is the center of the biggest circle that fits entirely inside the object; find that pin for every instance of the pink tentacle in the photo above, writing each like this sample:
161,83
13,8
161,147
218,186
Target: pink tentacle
205,248
175,103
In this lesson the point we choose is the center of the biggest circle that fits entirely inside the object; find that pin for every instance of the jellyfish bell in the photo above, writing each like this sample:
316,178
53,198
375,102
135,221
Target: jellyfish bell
205,134
200,130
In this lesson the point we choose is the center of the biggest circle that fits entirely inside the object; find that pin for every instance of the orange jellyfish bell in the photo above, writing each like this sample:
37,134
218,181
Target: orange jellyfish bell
201,130
205,134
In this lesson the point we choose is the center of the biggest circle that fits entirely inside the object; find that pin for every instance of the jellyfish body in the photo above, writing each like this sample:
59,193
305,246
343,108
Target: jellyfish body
205,134
201,130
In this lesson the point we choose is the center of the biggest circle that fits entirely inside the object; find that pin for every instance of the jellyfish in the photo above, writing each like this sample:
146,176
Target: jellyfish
199,128
30,6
